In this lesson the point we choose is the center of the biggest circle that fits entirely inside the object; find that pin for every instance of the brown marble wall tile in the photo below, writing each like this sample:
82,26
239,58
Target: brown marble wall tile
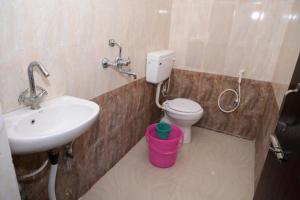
205,88
262,142
125,114
256,117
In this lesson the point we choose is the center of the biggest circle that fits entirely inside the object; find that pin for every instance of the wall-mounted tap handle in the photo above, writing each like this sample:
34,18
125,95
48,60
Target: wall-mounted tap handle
106,63
127,60
123,62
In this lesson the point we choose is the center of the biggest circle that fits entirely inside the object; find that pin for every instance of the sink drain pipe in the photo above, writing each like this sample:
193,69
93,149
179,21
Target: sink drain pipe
53,157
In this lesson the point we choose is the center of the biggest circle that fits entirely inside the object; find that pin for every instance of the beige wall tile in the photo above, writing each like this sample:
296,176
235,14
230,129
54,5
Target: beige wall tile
223,37
289,53
215,36
70,38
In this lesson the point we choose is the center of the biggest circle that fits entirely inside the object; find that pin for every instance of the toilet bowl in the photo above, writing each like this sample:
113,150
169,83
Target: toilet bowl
184,113
180,111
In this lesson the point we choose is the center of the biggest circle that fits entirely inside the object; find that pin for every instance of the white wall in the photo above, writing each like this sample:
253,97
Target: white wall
70,38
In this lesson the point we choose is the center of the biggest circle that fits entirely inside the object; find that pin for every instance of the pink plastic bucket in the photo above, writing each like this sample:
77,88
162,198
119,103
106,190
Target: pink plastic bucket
163,153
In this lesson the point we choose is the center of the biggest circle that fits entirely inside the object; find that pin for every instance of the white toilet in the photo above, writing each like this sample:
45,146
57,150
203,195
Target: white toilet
180,111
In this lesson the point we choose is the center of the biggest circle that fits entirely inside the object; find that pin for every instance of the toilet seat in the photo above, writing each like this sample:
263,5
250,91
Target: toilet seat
184,113
183,106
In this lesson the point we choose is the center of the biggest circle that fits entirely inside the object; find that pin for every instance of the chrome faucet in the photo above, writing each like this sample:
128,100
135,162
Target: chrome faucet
34,94
119,63
112,43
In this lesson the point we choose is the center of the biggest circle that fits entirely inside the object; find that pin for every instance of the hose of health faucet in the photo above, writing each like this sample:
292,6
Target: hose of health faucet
236,93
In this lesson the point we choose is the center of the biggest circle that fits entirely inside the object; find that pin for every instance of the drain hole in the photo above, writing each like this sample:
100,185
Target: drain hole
33,121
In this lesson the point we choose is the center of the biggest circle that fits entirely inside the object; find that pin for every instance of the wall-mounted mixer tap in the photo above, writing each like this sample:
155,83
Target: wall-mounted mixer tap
119,63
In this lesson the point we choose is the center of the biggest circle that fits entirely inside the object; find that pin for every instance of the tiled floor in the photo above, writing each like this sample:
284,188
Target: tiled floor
213,167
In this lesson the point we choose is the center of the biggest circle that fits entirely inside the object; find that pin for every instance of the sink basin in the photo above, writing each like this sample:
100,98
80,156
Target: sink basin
56,123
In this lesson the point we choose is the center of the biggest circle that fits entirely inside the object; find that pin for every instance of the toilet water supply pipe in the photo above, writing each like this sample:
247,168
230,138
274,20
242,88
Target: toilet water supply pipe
236,93
157,96
165,89
164,92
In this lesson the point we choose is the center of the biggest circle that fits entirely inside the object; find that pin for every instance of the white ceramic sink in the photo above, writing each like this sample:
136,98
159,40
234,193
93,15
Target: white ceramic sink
56,123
